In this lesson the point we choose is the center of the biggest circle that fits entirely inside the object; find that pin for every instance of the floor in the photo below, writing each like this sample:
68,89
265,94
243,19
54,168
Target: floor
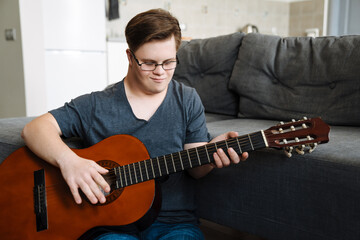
213,231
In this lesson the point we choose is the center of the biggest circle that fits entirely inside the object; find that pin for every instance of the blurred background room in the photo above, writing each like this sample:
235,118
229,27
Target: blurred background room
54,50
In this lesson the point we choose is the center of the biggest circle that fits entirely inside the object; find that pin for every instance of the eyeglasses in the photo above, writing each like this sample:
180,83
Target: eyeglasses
151,66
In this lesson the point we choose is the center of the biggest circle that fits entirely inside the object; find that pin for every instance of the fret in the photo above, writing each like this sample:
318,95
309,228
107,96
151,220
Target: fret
172,158
167,170
147,174
258,140
207,153
264,138
125,176
184,159
141,174
197,154
130,175
237,139
181,162
189,158
215,146
157,158
120,176
136,179
251,142
117,178
152,167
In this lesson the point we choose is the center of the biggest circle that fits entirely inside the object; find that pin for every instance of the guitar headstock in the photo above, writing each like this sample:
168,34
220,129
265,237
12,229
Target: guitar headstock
299,134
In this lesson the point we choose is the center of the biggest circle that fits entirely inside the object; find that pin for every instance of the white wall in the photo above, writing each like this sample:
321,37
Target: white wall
21,60
31,20
209,18
12,89
344,17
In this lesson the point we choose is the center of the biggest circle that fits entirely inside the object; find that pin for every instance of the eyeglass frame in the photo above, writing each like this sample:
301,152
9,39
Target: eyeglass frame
156,64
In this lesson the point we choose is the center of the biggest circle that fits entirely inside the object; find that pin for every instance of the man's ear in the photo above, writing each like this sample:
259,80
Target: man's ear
129,56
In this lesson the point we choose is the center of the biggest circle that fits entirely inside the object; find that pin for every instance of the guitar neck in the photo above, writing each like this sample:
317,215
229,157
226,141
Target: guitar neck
175,162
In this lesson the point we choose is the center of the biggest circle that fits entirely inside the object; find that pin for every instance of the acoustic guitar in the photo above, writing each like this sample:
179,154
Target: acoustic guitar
36,203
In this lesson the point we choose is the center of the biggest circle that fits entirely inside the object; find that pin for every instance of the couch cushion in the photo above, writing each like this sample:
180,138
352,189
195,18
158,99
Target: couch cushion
283,78
311,196
214,117
10,136
206,64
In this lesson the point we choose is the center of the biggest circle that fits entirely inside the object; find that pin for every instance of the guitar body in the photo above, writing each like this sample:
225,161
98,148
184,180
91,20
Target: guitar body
65,218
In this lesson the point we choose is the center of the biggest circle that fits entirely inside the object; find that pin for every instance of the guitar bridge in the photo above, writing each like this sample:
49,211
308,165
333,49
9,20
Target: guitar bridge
40,206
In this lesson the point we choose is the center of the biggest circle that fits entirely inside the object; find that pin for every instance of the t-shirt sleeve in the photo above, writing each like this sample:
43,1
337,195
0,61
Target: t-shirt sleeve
74,118
196,122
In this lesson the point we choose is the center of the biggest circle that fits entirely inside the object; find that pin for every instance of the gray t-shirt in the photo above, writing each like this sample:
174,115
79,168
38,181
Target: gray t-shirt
180,119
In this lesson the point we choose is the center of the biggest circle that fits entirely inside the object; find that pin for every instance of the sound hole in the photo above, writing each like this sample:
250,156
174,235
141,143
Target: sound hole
110,178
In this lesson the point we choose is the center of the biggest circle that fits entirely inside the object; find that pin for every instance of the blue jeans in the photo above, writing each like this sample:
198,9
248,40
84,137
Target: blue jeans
160,231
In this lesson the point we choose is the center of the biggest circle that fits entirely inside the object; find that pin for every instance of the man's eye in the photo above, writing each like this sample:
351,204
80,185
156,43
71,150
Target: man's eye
149,64
169,63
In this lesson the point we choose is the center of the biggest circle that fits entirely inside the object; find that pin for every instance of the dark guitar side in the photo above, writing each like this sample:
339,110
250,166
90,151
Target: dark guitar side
66,219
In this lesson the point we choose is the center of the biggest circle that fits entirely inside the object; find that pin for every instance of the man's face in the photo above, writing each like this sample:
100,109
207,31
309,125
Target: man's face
158,52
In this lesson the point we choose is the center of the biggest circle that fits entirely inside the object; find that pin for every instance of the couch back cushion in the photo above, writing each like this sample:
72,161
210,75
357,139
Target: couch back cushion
206,65
284,78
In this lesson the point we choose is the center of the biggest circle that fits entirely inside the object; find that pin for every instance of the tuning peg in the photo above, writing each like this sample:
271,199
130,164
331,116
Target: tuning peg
312,147
300,150
305,118
288,151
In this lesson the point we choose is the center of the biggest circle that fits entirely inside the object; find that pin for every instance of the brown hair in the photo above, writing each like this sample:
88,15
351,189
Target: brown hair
155,24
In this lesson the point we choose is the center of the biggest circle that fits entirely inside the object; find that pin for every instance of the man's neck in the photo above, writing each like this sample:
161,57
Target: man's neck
143,104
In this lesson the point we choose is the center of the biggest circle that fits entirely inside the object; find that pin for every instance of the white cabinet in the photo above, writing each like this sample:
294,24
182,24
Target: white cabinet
75,49
117,61
59,53
71,74
74,24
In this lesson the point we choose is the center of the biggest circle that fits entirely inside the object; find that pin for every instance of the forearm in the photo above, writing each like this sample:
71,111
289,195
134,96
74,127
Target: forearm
201,171
42,136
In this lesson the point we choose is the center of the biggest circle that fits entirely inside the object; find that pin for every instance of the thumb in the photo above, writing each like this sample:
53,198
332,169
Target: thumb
231,134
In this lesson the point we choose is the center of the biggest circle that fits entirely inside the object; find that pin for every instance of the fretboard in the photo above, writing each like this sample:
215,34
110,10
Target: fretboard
175,162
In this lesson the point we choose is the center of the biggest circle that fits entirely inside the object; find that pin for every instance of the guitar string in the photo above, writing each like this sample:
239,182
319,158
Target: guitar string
210,147
192,152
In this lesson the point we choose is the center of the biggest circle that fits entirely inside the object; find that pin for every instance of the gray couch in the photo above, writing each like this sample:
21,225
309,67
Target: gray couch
248,83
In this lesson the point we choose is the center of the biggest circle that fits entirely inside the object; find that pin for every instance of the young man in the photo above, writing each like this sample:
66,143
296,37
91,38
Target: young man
165,115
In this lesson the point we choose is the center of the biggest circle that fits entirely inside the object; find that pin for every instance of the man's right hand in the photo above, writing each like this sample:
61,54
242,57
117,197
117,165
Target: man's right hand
86,175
